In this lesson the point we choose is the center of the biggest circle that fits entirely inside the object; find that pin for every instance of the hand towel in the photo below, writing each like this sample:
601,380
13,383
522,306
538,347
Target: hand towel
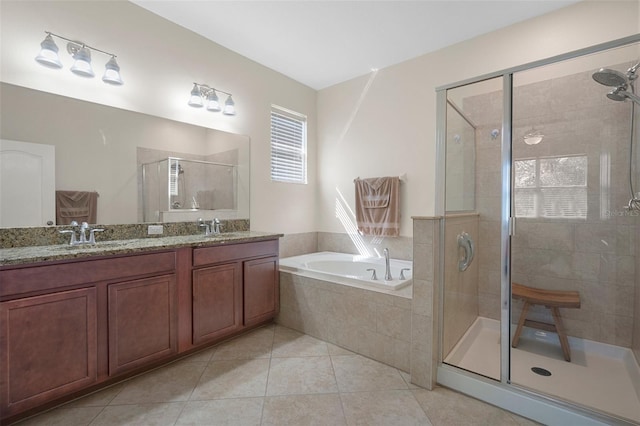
81,206
378,206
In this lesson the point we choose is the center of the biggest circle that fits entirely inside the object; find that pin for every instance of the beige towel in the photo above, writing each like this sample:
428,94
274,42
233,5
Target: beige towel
378,206
81,206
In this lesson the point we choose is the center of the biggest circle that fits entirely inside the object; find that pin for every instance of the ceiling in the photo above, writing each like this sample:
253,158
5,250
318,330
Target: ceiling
322,43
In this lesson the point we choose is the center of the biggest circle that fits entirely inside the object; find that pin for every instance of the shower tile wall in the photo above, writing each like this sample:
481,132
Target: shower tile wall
595,255
486,112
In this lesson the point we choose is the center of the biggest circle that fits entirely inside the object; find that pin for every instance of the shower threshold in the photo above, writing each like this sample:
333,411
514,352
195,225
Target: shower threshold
600,376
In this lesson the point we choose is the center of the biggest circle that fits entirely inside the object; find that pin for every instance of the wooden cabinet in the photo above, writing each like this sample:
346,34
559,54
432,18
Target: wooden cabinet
142,322
261,290
217,302
48,348
71,325
234,286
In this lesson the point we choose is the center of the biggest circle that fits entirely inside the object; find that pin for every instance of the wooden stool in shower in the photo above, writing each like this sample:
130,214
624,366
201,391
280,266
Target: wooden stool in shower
552,299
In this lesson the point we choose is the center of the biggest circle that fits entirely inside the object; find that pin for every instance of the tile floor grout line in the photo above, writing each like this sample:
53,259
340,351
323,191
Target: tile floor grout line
344,415
264,396
215,348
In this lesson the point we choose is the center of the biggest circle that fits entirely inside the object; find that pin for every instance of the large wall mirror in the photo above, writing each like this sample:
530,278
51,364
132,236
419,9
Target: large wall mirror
141,168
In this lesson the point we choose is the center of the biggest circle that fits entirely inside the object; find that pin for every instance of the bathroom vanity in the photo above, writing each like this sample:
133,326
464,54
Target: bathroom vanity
73,320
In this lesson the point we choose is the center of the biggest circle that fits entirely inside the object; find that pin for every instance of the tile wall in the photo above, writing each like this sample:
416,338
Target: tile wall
424,309
367,322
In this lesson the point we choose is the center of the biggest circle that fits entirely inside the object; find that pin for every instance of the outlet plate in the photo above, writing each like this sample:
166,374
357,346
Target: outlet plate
155,230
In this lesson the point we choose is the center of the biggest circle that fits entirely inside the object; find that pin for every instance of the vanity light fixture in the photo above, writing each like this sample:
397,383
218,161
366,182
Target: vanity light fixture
201,94
81,53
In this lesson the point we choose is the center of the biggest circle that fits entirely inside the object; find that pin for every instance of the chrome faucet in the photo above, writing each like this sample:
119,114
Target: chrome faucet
73,241
92,234
216,226
82,233
387,266
206,226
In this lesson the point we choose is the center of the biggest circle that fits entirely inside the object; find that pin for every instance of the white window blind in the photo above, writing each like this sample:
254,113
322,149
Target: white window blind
288,146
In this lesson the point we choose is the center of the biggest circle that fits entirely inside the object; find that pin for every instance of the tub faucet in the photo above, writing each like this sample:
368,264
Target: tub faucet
387,270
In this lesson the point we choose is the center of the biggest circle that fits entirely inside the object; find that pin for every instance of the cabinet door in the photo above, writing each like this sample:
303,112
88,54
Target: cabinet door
261,290
217,301
48,348
142,322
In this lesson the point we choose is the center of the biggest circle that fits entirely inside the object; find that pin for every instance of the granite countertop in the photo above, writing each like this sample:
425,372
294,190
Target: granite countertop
24,255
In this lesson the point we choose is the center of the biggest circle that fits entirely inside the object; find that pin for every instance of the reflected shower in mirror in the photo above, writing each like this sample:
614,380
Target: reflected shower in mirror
101,149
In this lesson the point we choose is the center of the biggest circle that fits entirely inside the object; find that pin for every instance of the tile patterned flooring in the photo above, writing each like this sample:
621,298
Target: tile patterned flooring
274,376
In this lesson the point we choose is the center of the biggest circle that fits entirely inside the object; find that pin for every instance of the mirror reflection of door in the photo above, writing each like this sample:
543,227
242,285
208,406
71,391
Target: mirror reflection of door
27,184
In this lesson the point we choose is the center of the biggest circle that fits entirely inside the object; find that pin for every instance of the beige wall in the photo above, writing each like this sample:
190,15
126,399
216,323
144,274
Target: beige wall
384,123
159,62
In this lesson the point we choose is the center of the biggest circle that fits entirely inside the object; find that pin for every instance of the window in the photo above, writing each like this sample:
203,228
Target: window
554,187
288,146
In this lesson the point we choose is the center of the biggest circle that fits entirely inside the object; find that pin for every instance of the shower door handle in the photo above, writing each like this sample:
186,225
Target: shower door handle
465,242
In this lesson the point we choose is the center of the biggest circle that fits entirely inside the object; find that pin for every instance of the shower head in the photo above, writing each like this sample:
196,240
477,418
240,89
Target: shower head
609,77
616,95
178,167
619,94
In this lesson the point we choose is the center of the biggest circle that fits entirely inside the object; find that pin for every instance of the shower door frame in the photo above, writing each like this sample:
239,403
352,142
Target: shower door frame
503,393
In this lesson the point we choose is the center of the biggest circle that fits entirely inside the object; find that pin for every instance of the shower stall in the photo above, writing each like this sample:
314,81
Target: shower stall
180,189
541,231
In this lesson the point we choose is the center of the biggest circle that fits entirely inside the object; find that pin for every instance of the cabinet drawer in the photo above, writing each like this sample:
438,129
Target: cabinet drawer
226,253
45,277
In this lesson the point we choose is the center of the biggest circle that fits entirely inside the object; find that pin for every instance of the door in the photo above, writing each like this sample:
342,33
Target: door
472,228
142,322
48,348
27,184
217,301
261,290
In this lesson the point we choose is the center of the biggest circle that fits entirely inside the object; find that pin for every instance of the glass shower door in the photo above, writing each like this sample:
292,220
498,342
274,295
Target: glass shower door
574,249
471,299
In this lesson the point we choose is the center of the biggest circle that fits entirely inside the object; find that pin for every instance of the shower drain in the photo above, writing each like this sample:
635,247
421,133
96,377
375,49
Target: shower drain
541,371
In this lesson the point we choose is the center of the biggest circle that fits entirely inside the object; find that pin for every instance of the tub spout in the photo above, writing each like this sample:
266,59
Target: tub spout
387,266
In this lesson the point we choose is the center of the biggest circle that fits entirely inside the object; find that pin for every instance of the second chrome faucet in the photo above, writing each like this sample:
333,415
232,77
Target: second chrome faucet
212,228
82,233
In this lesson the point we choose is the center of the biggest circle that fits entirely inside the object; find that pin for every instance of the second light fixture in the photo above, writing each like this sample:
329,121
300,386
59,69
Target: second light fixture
202,94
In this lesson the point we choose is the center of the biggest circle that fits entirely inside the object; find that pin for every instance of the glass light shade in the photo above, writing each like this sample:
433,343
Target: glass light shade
195,100
48,55
82,66
212,102
112,73
229,107
533,138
